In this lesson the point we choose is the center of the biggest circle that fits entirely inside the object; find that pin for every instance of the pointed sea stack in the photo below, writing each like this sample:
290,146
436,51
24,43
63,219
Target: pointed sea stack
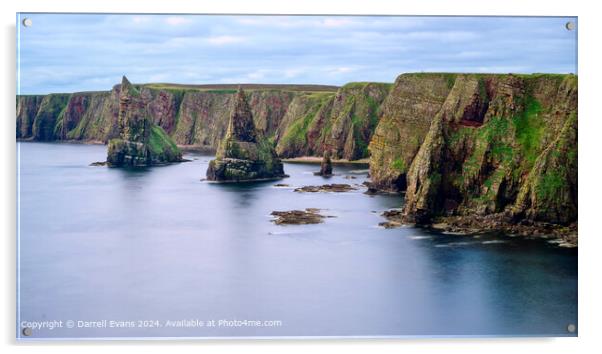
325,165
140,142
244,154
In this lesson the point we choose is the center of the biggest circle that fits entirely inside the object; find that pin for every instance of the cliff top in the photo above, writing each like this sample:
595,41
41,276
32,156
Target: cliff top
246,87
231,88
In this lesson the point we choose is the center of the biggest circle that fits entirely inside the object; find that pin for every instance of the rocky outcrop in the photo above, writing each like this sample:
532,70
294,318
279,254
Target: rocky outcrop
325,165
299,217
335,187
501,145
244,154
141,142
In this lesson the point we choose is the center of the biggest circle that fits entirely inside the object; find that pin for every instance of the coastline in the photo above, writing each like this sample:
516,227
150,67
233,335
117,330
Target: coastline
559,235
564,236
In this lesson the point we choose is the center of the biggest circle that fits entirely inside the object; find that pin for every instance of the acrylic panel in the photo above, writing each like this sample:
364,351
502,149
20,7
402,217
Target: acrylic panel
236,176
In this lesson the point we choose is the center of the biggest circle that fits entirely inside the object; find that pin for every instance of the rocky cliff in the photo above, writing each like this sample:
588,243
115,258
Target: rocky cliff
458,144
406,116
244,154
342,123
481,145
302,120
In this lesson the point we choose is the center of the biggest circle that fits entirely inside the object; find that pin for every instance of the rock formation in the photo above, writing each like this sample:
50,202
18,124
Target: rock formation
325,165
299,217
458,144
303,120
335,187
502,145
244,154
140,142
407,113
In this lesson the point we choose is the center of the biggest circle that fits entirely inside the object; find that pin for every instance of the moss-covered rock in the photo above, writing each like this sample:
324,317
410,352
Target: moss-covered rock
141,142
47,115
499,144
244,154
27,109
342,123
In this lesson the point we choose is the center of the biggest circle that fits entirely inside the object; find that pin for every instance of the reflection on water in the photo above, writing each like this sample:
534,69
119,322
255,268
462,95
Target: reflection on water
159,244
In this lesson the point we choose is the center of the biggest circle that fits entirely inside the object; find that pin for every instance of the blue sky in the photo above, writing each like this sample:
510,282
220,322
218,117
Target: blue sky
67,53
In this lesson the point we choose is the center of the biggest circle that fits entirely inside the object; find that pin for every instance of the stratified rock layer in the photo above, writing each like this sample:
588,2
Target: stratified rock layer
141,142
407,113
244,154
498,144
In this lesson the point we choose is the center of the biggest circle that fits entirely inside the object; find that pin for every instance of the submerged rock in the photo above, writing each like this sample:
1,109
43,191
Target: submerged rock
339,188
325,165
299,217
140,142
244,154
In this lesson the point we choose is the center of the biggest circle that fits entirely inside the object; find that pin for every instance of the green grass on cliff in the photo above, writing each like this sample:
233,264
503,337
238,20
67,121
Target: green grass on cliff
549,185
160,143
529,130
363,84
52,106
296,134
399,165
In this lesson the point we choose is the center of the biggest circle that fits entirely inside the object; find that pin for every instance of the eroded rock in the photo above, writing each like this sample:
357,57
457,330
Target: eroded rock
335,187
325,165
140,142
244,154
299,217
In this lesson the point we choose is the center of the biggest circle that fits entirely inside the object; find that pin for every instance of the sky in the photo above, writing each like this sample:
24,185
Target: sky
79,52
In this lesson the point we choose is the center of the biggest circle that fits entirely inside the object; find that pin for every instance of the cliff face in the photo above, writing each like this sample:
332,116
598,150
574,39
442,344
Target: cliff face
407,114
499,144
302,121
37,116
27,109
458,144
342,123
203,116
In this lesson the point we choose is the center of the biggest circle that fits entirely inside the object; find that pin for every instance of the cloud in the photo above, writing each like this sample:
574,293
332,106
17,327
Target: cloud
141,19
280,49
343,69
225,39
443,35
177,20
336,22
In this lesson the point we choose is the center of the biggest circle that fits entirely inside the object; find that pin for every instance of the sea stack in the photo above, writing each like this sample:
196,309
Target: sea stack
140,142
244,154
325,165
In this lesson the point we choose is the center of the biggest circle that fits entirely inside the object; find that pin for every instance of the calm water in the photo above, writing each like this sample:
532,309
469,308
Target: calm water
160,245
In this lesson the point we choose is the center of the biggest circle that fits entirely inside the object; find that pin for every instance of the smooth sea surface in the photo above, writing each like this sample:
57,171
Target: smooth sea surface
158,252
